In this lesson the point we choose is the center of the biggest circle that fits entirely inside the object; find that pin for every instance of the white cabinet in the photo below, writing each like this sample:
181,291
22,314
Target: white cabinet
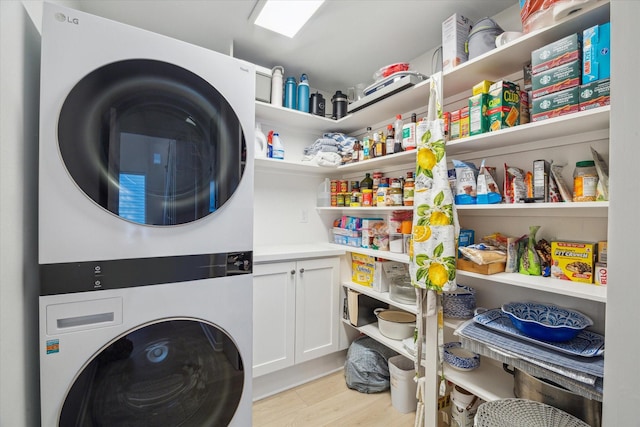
295,312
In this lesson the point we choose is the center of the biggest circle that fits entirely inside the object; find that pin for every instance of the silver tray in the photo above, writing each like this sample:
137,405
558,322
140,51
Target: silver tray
585,344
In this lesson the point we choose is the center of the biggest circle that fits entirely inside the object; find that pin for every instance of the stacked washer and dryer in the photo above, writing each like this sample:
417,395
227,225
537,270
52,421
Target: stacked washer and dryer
145,228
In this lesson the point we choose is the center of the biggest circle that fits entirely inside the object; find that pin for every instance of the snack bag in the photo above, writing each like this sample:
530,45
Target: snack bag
515,190
466,182
486,189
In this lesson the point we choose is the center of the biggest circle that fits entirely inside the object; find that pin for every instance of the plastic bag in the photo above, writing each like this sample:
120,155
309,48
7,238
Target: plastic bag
602,190
515,190
483,254
487,190
530,261
367,366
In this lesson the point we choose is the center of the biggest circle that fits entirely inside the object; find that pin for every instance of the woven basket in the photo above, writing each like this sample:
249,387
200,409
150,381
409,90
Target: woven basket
523,413
460,303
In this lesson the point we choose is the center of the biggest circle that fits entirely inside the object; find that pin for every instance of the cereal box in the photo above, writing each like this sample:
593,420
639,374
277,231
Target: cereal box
557,53
464,122
503,109
362,269
596,64
556,79
595,94
555,104
573,261
478,122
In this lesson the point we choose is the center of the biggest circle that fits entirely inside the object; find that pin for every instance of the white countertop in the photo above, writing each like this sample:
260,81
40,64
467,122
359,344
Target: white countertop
272,253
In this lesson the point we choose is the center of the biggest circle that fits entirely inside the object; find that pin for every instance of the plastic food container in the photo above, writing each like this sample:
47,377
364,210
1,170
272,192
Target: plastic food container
390,69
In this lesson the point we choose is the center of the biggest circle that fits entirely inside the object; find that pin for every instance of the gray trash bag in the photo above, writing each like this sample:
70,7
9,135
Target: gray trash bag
367,366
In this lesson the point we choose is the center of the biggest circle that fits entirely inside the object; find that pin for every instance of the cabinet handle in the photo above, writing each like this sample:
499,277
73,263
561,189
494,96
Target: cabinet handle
301,270
293,272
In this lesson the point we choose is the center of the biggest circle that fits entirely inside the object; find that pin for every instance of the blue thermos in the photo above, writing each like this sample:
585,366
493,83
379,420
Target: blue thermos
303,94
290,93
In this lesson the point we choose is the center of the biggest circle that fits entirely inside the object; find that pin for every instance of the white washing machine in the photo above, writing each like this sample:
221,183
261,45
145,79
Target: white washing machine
145,228
176,354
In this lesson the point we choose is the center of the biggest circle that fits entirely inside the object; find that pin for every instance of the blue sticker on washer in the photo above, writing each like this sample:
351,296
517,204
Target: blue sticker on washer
53,346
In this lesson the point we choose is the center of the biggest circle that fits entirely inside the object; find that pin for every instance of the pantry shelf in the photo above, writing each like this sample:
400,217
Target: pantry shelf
547,284
372,331
583,209
488,382
558,131
384,209
510,58
406,100
391,256
380,296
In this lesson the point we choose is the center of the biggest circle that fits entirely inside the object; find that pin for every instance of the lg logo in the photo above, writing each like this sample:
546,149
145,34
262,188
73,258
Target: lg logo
64,18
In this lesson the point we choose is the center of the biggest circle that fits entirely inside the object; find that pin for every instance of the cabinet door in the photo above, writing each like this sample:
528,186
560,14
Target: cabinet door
273,316
317,305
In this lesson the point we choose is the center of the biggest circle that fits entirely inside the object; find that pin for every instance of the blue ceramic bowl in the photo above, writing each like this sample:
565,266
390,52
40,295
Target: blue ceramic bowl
460,358
546,322
459,303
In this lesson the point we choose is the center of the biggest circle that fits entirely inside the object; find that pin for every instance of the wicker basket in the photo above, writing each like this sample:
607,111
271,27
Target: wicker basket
523,413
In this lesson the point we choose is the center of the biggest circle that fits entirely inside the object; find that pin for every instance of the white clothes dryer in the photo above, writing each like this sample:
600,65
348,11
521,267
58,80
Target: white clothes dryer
176,354
143,144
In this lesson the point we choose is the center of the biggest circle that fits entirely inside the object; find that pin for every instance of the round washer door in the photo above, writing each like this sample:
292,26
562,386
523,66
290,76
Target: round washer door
151,142
171,373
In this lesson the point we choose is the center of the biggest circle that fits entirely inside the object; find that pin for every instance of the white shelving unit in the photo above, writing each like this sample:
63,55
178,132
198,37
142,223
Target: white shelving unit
489,382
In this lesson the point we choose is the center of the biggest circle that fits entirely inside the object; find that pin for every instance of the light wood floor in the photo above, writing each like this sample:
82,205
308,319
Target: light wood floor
328,402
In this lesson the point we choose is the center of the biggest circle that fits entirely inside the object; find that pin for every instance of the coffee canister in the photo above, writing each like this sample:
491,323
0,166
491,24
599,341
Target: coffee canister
339,102
317,104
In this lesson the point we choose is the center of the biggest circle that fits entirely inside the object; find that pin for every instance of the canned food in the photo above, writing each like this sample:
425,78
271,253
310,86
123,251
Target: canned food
334,186
344,186
340,199
367,197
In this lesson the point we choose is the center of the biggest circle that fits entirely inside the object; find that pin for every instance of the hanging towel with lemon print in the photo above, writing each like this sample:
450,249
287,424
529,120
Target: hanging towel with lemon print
435,222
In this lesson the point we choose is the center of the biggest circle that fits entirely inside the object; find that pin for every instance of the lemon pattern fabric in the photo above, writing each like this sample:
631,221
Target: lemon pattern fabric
435,222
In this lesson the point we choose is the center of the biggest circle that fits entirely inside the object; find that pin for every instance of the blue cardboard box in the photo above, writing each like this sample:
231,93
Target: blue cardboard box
596,44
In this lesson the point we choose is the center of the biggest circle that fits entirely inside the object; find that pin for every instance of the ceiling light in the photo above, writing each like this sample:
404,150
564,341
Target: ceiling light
285,16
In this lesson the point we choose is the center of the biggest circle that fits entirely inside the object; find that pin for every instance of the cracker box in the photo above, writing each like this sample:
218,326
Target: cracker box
464,122
455,125
362,269
573,261
525,107
560,52
595,94
555,104
503,109
596,64
482,87
478,121
455,31
556,79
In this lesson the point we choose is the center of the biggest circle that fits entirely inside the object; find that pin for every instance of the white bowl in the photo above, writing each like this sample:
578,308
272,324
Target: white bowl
507,37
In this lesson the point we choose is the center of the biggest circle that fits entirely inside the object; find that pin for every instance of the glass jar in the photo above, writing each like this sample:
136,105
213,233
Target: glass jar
408,190
585,181
394,196
381,194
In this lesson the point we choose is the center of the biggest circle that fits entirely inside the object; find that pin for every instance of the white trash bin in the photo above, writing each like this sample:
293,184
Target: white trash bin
403,386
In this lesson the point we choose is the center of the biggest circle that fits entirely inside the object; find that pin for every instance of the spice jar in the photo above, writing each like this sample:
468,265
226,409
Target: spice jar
585,181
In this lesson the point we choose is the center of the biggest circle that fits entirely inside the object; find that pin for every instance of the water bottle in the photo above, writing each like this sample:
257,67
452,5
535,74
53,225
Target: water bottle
290,93
276,85
303,94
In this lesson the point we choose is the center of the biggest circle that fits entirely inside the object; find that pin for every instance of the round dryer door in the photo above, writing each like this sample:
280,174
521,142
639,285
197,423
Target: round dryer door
172,373
151,142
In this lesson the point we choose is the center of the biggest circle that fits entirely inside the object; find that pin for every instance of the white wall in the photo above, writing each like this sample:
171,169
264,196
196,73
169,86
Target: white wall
19,85
622,371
